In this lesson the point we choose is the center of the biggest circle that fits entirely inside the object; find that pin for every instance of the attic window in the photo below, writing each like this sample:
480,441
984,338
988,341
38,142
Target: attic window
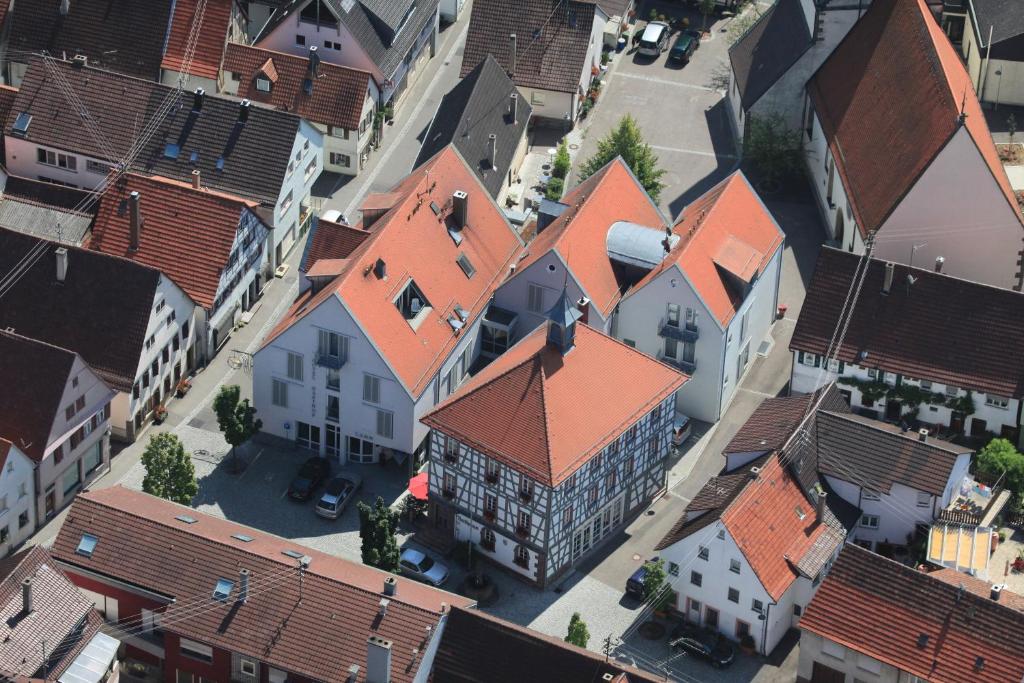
461,312
193,158
979,663
86,545
294,554
171,150
800,512
186,519
241,537
922,641
21,124
411,303
223,589
466,266
220,164
455,323
263,84
435,208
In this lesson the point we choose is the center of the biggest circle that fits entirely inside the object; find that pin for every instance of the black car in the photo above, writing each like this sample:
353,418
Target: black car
635,583
704,643
684,47
311,475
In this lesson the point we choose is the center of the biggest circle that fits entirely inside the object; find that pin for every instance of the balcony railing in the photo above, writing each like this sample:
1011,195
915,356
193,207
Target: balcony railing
326,360
678,332
686,366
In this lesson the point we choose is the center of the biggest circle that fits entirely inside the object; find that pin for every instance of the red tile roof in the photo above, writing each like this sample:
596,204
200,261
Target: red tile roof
775,421
208,50
415,245
979,587
764,523
580,234
525,409
331,241
896,54
338,91
318,637
916,622
186,233
726,232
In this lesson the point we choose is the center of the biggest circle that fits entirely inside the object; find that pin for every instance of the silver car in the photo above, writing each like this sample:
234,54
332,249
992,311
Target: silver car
338,492
654,39
422,567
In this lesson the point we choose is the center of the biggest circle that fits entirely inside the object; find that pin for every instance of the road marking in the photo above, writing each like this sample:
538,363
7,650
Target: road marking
665,81
682,150
249,467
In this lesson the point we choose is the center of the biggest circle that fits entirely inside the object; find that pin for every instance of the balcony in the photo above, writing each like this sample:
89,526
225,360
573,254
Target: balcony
689,367
676,331
326,360
522,531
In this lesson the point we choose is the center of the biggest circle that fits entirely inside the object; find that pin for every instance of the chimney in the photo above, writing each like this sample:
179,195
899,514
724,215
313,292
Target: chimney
390,585
243,585
512,53
62,264
890,270
243,111
314,62
460,208
26,596
938,263
197,99
65,7
378,660
135,221
383,607
922,434
492,150
584,305
995,592
513,106
353,673
819,505
197,182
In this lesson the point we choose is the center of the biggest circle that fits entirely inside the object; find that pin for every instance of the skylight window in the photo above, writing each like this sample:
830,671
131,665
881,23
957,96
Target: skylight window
220,164
193,158
800,512
21,124
435,208
466,265
293,554
171,150
411,302
186,519
241,537
223,589
86,545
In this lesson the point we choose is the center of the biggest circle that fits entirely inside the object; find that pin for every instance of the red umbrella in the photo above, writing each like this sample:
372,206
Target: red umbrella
418,486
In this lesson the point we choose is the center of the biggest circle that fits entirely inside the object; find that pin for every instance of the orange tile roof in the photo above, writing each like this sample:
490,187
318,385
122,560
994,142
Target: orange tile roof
331,241
580,234
414,244
764,523
979,587
725,229
545,414
338,91
209,46
186,233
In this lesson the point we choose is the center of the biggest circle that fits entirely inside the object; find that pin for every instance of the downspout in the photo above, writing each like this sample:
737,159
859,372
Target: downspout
764,631
983,76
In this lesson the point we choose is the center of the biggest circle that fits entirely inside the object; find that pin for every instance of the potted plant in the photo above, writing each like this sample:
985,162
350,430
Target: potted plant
159,414
183,386
747,644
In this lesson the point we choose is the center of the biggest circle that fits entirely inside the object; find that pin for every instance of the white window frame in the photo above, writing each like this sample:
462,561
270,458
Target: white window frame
387,428
279,393
295,370
248,667
535,298
371,388
868,521
994,401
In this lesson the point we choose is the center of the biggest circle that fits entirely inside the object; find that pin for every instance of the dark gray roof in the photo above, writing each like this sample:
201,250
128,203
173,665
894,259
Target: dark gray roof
387,14
1005,17
615,8
768,49
255,154
474,109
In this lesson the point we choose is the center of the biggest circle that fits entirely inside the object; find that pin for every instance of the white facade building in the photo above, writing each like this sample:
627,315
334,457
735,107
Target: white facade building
18,495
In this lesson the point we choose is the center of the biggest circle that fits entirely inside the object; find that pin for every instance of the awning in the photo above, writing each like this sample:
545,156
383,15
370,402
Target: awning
92,663
418,486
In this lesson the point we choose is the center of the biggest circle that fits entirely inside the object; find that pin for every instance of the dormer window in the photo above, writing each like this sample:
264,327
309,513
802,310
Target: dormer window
223,589
263,84
412,304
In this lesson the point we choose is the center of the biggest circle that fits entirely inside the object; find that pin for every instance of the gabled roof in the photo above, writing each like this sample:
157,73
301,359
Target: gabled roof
331,241
727,239
33,375
101,311
979,587
316,638
579,235
121,35
479,106
255,154
898,331
524,409
915,622
552,37
208,43
776,419
44,210
876,455
337,92
186,233
1005,19
910,87
768,48
479,648
414,244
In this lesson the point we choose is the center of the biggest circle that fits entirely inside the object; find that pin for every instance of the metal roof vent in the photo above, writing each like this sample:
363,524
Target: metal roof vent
637,245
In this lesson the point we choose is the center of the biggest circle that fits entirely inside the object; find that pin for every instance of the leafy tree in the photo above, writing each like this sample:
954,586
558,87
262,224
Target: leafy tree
706,8
236,418
578,634
654,583
554,189
170,473
773,148
560,169
1000,457
377,526
627,141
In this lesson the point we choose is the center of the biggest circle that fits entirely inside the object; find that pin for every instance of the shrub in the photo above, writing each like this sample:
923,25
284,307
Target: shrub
563,162
555,188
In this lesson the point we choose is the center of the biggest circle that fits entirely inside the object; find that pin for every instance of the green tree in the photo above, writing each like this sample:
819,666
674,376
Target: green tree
377,526
627,141
774,149
1000,458
236,418
562,164
655,589
555,188
578,634
706,8
170,473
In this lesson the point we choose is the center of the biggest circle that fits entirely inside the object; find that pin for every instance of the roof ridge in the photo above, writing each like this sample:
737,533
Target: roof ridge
33,340
289,56
874,425
544,409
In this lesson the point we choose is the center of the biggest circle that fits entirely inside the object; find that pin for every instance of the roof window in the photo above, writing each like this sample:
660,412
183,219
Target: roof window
186,519
466,265
86,545
411,303
223,589
171,150
21,124
800,512
295,554
922,641
242,537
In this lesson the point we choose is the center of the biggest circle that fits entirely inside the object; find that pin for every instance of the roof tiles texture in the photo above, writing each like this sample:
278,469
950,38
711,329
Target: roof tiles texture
331,241
317,638
337,96
525,408
214,18
882,608
768,49
927,331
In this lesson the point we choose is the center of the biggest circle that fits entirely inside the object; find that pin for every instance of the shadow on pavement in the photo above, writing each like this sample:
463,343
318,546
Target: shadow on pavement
725,152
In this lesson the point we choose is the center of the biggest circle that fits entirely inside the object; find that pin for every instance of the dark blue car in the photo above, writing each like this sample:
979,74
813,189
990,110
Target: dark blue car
635,583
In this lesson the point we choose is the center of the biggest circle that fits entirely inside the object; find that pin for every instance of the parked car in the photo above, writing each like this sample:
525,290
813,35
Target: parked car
337,494
309,478
635,583
683,48
654,39
703,643
422,567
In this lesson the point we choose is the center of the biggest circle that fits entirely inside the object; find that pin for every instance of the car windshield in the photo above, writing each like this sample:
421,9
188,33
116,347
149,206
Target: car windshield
708,640
425,564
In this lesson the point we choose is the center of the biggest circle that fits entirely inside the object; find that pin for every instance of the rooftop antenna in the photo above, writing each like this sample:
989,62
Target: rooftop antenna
963,107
